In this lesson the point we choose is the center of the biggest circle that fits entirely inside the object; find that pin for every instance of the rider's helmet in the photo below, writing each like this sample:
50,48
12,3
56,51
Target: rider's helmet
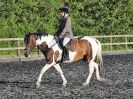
63,9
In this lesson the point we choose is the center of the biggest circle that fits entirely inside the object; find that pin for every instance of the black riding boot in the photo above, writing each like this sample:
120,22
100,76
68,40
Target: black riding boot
65,56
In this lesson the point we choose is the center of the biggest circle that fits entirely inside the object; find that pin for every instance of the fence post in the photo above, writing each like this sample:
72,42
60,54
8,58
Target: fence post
111,43
126,42
18,45
38,52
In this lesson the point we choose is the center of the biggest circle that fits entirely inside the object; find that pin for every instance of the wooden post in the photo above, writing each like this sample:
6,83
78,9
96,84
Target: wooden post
126,42
111,43
18,45
38,51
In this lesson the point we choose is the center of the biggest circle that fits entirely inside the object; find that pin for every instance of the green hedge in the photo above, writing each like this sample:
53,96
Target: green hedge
89,17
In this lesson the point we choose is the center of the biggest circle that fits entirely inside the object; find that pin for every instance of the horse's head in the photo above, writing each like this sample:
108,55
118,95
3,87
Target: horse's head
30,42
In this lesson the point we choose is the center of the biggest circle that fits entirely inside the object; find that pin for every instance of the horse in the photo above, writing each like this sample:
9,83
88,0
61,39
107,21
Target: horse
83,48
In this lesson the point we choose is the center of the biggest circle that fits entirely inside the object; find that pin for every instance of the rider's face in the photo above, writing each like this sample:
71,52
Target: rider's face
62,13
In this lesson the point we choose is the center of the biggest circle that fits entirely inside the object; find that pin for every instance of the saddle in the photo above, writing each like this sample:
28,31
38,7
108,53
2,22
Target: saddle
60,43
64,48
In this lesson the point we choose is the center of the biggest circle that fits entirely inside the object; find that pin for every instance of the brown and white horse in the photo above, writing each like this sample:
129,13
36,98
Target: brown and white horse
86,48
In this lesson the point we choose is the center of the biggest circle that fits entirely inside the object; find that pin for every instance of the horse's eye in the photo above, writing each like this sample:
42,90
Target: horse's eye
25,41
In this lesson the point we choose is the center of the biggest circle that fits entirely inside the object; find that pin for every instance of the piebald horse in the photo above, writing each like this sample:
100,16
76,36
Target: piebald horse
86,48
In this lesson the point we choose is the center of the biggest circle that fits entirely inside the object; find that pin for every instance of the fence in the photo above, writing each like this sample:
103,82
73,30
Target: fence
127,41
107,43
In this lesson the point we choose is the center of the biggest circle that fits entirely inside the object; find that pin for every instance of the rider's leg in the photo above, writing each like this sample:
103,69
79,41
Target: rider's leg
65,41
65,52
59,41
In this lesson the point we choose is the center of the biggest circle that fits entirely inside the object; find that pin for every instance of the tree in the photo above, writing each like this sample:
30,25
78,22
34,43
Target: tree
89,17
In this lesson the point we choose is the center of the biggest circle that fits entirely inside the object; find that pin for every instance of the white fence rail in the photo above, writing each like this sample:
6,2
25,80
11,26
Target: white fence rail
128,41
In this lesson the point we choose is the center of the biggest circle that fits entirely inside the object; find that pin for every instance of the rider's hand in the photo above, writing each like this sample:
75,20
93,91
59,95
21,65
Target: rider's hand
60,36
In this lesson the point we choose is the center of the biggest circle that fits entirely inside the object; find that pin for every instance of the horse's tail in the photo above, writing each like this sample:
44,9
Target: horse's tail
99,58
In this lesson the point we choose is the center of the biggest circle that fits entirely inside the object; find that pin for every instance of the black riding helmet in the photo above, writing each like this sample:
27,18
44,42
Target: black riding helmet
63,9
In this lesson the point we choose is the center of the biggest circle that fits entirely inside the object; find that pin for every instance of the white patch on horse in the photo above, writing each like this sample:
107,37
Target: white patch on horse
48,39
71,57
94,45
55,48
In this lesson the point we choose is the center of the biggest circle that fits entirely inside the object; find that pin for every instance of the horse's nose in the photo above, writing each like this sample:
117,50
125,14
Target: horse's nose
27,49
26,52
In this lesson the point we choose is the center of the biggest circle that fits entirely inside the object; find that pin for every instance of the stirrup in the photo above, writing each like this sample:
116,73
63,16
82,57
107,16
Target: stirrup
63,59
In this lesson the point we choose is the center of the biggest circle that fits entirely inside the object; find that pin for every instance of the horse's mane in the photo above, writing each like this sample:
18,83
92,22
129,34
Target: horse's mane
41,34
37,34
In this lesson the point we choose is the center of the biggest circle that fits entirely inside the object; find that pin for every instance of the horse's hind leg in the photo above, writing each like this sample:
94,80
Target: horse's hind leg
93,65
57,67
91,70
97,72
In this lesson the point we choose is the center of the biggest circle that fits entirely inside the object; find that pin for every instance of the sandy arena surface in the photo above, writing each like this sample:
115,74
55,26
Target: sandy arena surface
17,80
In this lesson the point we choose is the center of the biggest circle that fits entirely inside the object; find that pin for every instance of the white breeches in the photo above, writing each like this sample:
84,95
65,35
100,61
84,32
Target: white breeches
65,41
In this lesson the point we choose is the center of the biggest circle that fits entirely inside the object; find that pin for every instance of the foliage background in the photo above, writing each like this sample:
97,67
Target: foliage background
89,17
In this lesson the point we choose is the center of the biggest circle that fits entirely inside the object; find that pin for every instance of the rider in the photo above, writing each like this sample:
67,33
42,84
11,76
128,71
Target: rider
64,32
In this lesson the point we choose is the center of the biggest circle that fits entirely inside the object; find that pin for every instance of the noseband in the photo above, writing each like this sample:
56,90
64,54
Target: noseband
26,49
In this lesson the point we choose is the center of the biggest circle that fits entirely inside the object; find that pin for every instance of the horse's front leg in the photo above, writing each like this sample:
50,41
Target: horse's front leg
57,66
46,67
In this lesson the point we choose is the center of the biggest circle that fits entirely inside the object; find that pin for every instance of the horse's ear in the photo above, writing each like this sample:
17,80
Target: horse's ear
27,33
36,37
47,34
44,33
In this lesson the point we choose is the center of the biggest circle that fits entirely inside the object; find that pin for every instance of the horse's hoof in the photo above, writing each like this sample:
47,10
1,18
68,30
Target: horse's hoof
64,84
101,79
37,85
85,84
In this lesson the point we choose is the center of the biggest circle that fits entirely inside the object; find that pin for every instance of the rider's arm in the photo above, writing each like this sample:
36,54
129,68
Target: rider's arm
67,28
